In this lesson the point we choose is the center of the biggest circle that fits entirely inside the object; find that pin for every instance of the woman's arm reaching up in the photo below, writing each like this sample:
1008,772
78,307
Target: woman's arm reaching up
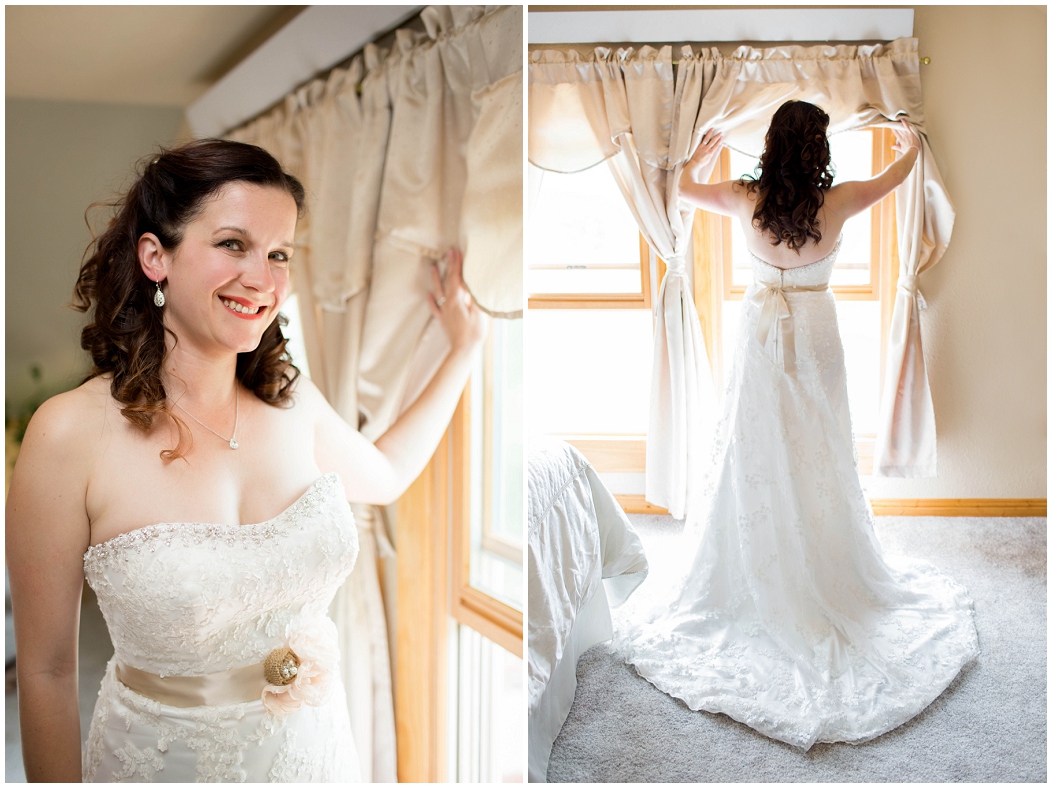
380,472
723,197
852,197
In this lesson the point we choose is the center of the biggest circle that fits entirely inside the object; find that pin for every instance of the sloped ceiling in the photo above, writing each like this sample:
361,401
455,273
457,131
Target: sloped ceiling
147,55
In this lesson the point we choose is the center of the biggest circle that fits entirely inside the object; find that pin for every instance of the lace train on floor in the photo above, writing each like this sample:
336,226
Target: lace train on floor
787,616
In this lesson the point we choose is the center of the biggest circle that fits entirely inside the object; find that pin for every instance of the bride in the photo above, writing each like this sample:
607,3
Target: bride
789,618
201,486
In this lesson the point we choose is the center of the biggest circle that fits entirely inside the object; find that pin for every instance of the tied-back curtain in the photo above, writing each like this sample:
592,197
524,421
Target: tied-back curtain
626,107
575,124
403,154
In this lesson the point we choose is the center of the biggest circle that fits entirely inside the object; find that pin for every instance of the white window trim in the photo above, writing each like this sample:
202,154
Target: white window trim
711,24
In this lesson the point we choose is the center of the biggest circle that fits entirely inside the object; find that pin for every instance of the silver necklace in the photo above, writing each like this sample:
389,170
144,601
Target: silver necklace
233,438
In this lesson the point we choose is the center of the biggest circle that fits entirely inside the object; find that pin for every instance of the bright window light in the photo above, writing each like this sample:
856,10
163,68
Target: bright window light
294,333
588,371
496,466
490,718
582,236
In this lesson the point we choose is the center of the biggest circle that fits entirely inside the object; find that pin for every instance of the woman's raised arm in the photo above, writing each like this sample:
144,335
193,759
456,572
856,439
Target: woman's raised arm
723,197
852,197
47,535
380,472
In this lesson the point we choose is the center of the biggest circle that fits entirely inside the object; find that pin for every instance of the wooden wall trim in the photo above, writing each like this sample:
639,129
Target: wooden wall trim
614,455
960,507
637,504
907,507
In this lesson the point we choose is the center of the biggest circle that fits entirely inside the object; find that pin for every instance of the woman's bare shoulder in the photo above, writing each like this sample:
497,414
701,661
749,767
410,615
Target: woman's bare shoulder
71,417
305,395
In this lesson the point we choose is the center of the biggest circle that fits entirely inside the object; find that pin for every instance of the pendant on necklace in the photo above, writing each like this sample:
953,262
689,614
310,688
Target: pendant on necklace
233,443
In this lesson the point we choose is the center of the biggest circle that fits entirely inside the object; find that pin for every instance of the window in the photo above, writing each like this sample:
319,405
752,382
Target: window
459,689
487,576
590,278
487,500
585,250
489,720
294,333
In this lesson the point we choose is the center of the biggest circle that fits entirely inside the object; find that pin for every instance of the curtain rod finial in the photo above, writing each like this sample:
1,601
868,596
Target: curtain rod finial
926,61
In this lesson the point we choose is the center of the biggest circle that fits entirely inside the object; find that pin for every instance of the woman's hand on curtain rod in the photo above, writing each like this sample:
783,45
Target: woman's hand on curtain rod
706,152
454,308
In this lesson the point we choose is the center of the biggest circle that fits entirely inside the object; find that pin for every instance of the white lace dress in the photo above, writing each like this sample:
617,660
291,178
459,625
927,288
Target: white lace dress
190,599
788,617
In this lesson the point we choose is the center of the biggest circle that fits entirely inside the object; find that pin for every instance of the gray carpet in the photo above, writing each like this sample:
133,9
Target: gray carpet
989,725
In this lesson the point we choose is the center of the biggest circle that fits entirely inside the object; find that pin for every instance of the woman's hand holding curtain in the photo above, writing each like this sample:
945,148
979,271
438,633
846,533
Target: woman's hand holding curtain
454,308
706,152
380,472
905,138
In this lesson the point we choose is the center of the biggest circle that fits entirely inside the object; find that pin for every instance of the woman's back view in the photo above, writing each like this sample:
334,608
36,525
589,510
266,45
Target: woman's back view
789,618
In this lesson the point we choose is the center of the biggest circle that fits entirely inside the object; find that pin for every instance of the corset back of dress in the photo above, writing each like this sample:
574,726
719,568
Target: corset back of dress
789,317
196,598
815,274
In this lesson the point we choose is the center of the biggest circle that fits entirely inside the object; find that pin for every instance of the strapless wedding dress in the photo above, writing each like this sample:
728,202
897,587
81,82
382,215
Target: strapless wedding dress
206,604
788,617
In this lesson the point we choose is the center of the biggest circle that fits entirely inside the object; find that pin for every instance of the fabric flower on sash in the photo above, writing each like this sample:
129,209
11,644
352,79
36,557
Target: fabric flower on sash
308,671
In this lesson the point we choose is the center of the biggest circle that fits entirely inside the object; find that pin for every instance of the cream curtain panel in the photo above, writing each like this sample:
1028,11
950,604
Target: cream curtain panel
626,108
403,154
581,112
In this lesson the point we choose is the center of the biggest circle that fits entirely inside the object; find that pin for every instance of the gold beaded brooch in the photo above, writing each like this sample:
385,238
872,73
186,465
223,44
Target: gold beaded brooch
281,666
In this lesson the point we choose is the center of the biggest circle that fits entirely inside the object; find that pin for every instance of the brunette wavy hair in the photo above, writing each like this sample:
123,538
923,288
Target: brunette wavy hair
126,334
795,171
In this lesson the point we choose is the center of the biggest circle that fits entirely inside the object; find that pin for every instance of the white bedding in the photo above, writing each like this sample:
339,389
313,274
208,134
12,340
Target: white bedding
582,550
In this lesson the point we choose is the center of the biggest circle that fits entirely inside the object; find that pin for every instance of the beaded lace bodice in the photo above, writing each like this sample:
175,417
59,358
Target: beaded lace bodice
197,598
816,273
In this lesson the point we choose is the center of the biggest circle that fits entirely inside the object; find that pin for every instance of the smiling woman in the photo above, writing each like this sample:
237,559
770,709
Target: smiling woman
226,664
187,216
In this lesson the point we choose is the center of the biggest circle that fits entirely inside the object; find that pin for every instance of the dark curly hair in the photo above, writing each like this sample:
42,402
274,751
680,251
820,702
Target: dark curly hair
126,335
795,171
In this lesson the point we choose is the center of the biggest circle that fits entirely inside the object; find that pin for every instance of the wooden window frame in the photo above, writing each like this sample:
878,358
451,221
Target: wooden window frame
421,629
433,573
641,300
488,616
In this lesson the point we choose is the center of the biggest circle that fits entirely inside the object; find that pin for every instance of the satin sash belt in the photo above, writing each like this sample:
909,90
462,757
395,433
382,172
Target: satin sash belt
774,309
237,685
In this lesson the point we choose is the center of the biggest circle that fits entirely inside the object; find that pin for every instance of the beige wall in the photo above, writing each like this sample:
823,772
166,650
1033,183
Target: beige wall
61,157
984,329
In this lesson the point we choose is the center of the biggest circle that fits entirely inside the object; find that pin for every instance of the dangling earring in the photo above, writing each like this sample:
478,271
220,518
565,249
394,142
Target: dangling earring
158,297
